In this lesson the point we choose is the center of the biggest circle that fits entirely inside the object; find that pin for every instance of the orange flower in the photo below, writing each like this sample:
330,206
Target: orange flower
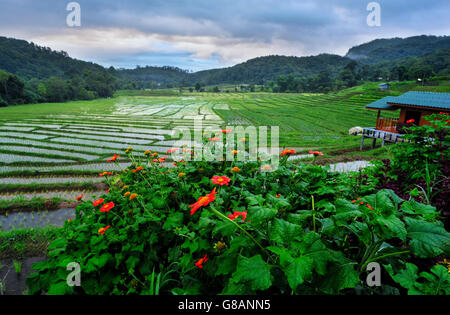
316,153
203,201
115,157
70,220
220,180
172,150
107,206
237,213
267,167
103,174
133,196
234,152
235,169
147,152
79,197
227,130
162,159
125,187
287,151
201,261
181,174
155,154
127,194
101,231
98,202
214,139
140,168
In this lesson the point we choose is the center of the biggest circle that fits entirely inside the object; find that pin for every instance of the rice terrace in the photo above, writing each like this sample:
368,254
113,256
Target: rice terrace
348,193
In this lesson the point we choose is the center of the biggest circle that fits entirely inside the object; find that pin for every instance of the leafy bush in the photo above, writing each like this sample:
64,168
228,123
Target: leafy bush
421,165
229,228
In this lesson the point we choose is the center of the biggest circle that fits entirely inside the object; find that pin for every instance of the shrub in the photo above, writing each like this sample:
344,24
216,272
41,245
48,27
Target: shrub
295,230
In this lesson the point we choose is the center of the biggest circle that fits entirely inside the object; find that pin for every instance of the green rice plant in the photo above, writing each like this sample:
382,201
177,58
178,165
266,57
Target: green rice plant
18,266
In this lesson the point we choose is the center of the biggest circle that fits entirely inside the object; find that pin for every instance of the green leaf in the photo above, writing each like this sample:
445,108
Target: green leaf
302,217
427,239
436,282
340,276
254,271
173,220
391,226
226,263
415,208
59,288
224,228
285,232
298,271
313,246
59,243
346,211
381,202
260,214
407,277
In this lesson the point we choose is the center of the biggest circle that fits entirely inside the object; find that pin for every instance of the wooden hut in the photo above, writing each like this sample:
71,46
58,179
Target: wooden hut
413,107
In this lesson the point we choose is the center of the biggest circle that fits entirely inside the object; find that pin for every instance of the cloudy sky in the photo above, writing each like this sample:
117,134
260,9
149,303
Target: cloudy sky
205,34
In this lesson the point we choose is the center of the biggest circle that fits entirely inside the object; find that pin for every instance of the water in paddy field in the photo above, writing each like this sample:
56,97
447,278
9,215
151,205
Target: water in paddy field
353,166
23,220
15,284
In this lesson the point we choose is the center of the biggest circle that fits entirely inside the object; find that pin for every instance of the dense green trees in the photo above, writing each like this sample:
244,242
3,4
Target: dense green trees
11,89
41,74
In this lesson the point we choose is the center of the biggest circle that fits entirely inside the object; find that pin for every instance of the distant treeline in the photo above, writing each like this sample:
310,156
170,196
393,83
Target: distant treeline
31,73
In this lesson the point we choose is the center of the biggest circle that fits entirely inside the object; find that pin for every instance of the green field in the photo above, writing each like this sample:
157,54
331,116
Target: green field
56,149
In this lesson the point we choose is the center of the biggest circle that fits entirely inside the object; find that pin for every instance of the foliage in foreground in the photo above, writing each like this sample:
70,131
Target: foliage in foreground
228,228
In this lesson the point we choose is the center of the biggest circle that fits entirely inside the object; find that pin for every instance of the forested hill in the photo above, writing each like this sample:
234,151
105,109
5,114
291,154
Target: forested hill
28,60
31,73
264,69
381,50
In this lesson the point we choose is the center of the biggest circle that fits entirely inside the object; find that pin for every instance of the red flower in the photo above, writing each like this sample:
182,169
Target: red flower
368,206
410,121
287,151
162,159
227,130
101,231
220,180
237,213
140,168
203,201
214,139
172,150
107,206
79,197
316,153
115,157
201,261
278,196
98,202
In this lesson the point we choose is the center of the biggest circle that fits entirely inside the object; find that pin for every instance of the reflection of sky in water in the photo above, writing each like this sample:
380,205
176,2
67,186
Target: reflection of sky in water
35,219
